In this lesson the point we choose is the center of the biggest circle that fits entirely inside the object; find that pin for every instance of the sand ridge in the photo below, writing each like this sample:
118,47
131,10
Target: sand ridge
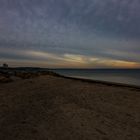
55,108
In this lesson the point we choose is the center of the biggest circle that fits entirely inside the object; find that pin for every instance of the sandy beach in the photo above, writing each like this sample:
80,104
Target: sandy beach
56,108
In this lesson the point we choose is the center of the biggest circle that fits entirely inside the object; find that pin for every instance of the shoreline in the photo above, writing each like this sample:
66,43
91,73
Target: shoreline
102,82
35,72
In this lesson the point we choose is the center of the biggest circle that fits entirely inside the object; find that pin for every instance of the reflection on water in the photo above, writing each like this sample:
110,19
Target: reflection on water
126,76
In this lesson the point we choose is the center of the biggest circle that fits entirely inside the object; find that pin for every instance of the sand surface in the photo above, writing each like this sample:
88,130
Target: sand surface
55,108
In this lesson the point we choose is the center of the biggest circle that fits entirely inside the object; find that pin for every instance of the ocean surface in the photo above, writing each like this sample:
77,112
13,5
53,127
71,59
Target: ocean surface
125,76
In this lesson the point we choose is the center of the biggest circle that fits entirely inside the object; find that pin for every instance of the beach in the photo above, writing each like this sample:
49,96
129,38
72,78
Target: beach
49,107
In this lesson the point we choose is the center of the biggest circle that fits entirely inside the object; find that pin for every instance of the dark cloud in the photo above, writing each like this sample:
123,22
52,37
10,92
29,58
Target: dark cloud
99,28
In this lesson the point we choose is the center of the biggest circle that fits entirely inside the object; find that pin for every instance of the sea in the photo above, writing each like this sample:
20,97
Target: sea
124,76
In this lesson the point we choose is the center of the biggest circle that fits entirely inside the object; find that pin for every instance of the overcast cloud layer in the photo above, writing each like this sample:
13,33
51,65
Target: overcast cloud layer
70,33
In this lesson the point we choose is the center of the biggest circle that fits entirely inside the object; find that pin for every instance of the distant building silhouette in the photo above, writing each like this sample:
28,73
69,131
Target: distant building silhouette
5,65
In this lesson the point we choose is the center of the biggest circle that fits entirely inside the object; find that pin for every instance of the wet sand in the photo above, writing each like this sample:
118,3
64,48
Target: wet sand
58,108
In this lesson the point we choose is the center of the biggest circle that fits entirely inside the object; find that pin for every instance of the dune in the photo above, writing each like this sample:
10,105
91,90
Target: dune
50,107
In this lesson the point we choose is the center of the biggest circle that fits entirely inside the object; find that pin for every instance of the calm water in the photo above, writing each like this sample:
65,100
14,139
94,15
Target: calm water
126,76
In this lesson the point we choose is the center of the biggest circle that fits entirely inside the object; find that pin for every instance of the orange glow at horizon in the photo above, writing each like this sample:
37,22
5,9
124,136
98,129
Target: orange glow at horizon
66,60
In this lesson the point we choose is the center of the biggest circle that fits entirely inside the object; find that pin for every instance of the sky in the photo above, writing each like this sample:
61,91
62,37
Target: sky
70,33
